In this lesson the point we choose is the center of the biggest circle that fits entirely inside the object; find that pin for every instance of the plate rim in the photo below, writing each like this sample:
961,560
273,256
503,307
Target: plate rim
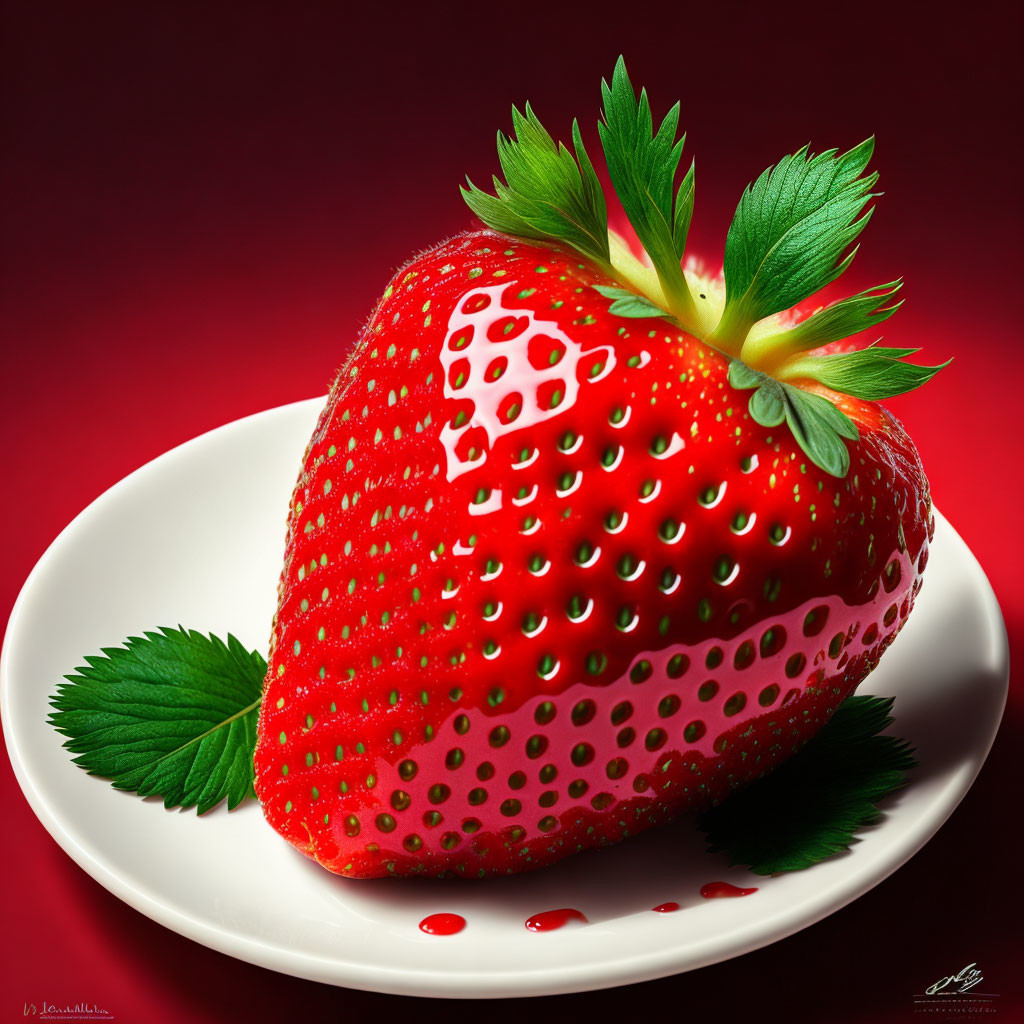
428,981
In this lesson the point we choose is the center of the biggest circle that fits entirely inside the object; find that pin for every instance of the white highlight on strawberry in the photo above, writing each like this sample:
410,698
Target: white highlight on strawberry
527,498
618,459
621,526
750,525
520,376
676,445
574,486
637,572
552,673
673,586
491,504
654,493
465,464
717,500
732,575
625,418
540,627
675,540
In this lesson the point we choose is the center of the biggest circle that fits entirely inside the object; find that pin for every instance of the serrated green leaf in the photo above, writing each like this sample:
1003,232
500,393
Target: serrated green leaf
815,423
549,192
170,714
790,231
628,304
872,373
499,212
836,321
642,164
683,211
811,806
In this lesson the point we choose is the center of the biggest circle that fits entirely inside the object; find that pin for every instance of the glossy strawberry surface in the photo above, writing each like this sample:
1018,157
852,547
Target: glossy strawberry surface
547,584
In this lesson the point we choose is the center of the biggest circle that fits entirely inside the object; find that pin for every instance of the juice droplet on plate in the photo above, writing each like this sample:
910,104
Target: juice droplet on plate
443,924
716,890
665,908
552,919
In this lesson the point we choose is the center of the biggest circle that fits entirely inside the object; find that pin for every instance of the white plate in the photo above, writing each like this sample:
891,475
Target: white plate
196,536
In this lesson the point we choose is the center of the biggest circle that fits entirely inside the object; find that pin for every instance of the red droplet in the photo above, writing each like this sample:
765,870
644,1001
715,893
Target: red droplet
443,924
552,919
665,908
716,890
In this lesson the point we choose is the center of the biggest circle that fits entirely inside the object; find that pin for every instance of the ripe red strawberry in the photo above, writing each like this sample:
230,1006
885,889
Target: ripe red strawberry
548,581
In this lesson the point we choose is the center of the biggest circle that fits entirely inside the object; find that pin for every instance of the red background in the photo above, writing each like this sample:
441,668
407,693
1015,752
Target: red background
201,205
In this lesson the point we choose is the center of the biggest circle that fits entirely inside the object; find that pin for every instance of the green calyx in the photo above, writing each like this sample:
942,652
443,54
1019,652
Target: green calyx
792,234
642,164
789,234
833,323
818,426
551,194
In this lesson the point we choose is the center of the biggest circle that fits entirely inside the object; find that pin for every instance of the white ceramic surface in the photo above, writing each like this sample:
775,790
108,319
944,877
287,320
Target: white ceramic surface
196,536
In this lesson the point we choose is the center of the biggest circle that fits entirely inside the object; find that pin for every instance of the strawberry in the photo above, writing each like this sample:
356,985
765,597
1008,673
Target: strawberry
576,546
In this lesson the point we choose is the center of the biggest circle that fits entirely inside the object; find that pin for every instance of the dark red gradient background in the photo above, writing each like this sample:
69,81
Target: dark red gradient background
201,204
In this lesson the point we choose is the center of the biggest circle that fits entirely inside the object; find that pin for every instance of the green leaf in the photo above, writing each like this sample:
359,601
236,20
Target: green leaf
683,211
172,714
549,193
871,373
833,323
642,164
809,808
815,423
629,304
768,406
743,377
789,233
819,428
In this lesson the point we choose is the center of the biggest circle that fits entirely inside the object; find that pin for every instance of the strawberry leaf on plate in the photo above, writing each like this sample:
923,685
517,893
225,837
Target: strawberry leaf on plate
809,808
172,714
